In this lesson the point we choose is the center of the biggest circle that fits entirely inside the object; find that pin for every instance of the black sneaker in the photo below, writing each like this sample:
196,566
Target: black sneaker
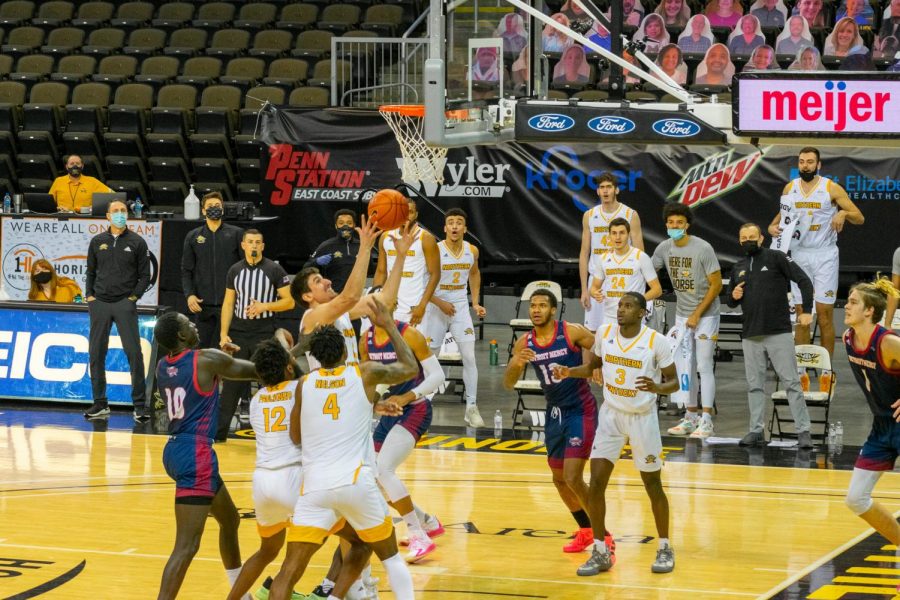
97,409
141,413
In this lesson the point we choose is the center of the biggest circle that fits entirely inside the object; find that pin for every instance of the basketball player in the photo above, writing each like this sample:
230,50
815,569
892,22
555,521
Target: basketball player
697,279
595,240
874,355
420,275
189,381
277,477
637,365
622,269
396,437
892,301
823,208
332,417
449,309
571,406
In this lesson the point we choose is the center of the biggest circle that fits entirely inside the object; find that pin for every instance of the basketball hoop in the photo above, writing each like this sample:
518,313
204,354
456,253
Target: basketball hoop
421,162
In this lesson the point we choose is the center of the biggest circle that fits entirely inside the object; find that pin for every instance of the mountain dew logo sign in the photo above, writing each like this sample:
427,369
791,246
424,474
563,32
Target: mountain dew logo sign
717,175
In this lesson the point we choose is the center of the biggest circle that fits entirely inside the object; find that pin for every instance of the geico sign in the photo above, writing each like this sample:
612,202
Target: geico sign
29,357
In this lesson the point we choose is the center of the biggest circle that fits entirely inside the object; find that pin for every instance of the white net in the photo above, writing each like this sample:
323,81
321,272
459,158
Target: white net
421,162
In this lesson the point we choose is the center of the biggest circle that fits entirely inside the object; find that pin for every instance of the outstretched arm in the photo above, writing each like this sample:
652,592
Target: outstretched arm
405,368
434,374
214,363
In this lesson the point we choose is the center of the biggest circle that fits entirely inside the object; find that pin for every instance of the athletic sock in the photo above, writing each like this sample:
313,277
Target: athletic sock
327,585
707,417
600,546
663,543
398,574
233,575
582,519
423,516
413,523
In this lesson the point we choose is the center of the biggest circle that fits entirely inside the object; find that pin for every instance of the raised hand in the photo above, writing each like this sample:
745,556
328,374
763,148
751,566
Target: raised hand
368,233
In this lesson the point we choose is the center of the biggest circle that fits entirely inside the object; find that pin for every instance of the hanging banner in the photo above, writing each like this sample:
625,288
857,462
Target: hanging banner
64,243
525,201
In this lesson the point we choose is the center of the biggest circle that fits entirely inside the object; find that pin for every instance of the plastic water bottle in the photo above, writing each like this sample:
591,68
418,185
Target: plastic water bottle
138,208
839,433
79,299
831,435
192,205
7,203
494,354
498,424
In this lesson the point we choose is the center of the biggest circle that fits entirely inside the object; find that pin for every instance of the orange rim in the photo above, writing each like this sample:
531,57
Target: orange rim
418,110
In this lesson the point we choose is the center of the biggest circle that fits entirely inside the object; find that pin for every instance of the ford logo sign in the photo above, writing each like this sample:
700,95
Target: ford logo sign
611,125
551,122
677,128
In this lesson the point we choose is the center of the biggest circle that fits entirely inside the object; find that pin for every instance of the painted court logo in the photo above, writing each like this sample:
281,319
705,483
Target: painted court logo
717,175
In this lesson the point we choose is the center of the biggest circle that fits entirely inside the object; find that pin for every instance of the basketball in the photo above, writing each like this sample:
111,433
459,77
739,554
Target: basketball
389,209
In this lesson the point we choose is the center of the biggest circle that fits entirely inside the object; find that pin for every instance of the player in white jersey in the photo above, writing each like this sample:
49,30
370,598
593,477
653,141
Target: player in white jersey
622,269
822,207
420,275
332,418
637,365
595,240
449,308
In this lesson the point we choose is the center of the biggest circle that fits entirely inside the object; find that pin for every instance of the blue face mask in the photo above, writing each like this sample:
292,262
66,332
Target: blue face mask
675,234
118,219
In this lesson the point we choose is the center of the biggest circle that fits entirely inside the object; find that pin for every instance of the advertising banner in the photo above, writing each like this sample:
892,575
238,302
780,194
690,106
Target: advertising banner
525,201
64,243
44,356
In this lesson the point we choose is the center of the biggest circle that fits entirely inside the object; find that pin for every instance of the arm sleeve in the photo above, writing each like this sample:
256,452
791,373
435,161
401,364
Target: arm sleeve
91,271
896,267
143,269
799,276
434,377
732,283
188,261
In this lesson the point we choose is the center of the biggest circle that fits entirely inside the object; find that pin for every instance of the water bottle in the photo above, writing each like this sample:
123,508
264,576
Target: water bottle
7,203
192,205
494,355
498,424
138,208
78,299
839,433
831,435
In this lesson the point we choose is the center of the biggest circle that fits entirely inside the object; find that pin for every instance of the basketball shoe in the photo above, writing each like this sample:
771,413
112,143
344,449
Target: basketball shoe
685,427
263,592
419,547
584,537
473,417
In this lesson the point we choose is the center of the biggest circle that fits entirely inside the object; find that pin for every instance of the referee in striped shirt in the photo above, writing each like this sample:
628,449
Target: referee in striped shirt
255,289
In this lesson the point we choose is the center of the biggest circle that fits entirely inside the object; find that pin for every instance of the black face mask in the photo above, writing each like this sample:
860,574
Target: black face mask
42,277
214,213
750,247
808,176
74,171
345,232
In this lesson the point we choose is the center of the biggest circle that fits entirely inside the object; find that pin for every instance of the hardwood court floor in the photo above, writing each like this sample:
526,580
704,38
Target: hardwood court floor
96,509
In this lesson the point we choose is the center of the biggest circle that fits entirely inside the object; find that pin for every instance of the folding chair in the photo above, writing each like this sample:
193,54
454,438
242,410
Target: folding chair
528,386
519,323
809,356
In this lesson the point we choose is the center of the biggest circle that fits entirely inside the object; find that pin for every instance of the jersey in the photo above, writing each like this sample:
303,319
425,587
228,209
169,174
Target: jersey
567,394
387,354
335,427
191,410
415,271
270,413
624,360
620,274
455,269
345,326
598,223
879,384
815,210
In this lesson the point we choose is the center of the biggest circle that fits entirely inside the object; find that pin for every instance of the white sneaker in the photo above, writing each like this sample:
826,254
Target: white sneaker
685,427
419,548
371,585
357,591
433,527
704,429
473,417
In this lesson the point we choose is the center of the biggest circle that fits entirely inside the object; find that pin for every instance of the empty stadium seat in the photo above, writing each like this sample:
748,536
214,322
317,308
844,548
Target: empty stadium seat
94,14
63,41
298,17
173,15
84,113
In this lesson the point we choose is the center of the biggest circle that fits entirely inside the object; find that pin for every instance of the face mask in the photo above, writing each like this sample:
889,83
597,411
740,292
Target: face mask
750,247
675,234
42,277
214,213
119,219
74,171
807,176
345,232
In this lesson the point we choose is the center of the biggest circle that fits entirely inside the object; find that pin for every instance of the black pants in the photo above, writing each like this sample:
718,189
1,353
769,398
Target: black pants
246,333
124,314
207,321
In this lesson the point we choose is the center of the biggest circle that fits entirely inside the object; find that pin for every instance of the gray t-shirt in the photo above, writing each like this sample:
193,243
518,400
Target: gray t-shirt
896,269
688,267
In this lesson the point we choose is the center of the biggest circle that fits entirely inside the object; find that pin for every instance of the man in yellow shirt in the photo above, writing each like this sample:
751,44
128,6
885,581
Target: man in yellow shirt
74,191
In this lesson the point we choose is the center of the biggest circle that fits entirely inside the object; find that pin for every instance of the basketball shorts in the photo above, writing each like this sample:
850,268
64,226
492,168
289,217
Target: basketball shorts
416,419
275,494
569,434
593,316
880,451
192,463
321,513
436,324
640,431
821,266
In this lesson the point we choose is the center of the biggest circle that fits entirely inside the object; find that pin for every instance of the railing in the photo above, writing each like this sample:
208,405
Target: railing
371,71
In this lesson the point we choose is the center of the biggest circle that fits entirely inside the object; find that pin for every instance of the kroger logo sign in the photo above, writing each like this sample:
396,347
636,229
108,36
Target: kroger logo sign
677,128
551,122
611,125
